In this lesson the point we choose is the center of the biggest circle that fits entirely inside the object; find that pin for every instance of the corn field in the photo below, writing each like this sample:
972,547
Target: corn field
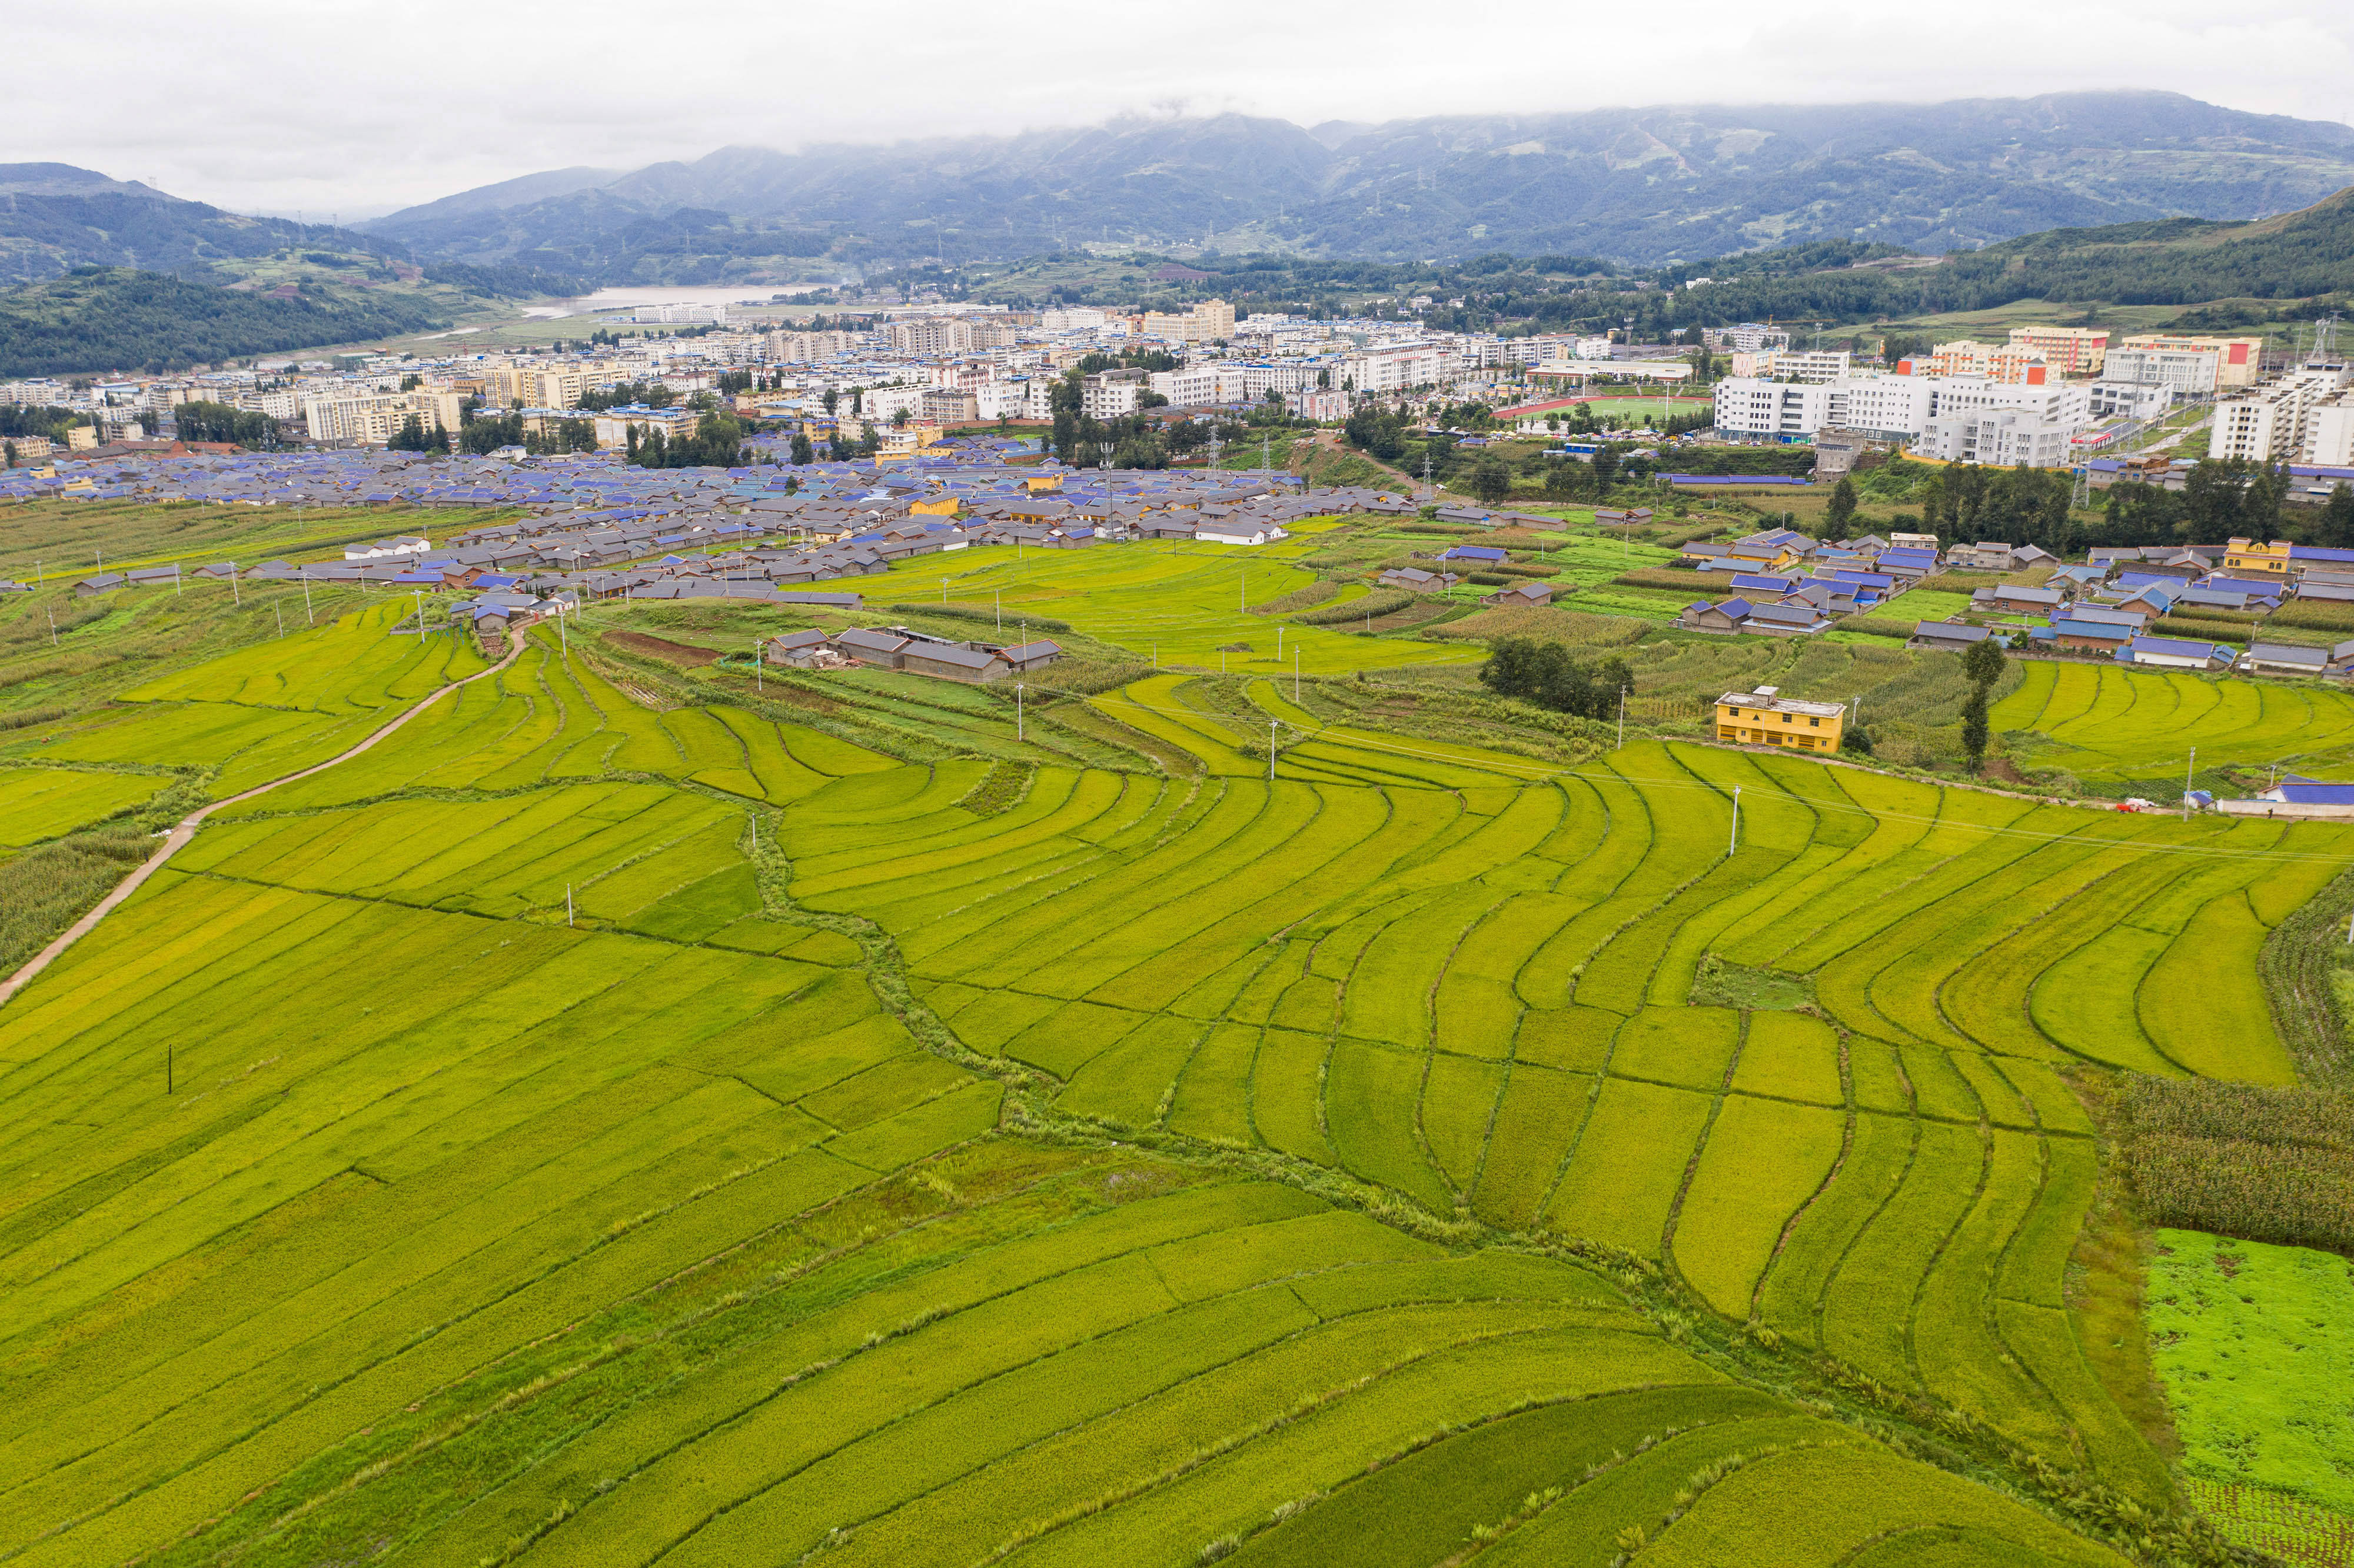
2273,1165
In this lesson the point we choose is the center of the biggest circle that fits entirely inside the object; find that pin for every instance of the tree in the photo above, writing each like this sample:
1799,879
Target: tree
1605,469
831,399
1489,480
1842,507
802,450
2336,528
1974,727
1983,663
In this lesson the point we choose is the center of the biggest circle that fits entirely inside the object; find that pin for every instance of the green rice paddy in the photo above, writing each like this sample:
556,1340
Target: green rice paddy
2103,722
609,1122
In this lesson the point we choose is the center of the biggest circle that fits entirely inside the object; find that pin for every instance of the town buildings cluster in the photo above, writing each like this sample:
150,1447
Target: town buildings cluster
900,378
1782,583
2048,398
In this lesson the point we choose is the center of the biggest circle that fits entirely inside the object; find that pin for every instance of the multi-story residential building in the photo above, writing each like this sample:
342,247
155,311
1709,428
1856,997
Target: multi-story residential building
1395,367
378,416
808,347
2067,350
1077,318
1995,362
1212,321
1110,394
1755,406
2239,360
2268,422
2186,373
949,406
2329,432
1793,364
932,334
533,386
1749,337
1900,407
2001,438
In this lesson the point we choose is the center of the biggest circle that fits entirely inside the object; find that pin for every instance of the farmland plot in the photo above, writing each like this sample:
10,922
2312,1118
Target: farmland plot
527,1142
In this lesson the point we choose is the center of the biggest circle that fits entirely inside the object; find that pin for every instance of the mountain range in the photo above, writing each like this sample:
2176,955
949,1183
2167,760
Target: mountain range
54,216
1636,187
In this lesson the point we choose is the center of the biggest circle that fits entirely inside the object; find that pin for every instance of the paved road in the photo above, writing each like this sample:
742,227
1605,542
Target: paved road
188,826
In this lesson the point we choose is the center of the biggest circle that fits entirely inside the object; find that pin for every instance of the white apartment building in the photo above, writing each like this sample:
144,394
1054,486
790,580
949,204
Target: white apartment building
2268,423
2240,360
1777,410
1395,367
1078,318
2130,399
278,403
2329,432
1793,364
2001,438
1899,407
1112,394
881,404
1749,337
1006,399
2184,372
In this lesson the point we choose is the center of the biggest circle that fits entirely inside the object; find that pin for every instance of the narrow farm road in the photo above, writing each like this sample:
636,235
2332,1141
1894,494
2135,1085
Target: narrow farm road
187,828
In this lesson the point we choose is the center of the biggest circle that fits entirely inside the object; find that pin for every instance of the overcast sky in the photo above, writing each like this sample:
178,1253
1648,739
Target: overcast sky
328,106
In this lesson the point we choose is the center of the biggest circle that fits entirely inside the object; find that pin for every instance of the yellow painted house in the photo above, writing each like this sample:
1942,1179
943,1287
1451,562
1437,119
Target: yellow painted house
935,507
1765,717
2247,556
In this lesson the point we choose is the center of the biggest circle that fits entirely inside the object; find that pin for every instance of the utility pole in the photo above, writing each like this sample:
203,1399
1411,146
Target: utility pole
420,615
307,616
2187,774
1733,847
1017,711
1001,610
281,620
1270,749
1622,718
759,677
236,596
53,626
1295,672
568,905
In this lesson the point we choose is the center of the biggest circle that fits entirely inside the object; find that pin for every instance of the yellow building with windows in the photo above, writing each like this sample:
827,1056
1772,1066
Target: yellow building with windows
2247,556
1765,717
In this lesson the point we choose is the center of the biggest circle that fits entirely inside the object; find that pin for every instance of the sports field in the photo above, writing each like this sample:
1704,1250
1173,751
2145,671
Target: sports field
597,1125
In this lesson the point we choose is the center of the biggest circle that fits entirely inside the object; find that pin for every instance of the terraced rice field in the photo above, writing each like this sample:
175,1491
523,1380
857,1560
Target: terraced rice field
2104,722
37,803
1182,603
577,1131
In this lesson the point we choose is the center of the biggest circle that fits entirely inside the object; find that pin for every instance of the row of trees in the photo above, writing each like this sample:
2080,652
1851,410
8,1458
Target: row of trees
205,421
717,442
